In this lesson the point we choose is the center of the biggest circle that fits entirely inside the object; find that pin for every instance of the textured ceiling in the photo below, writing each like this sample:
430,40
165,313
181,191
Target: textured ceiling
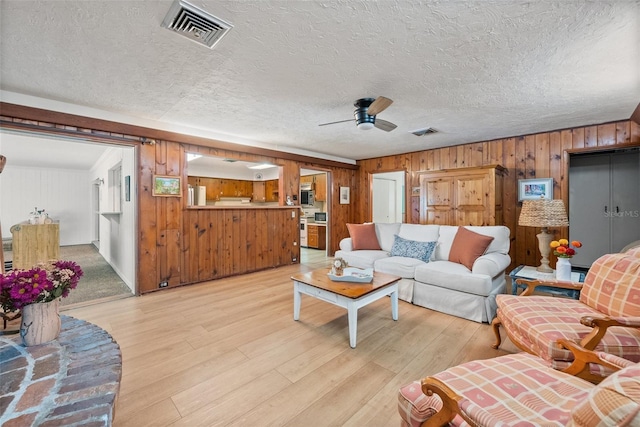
474,70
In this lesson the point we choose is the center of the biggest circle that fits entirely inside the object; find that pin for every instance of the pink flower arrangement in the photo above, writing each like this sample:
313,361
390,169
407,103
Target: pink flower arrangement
43,283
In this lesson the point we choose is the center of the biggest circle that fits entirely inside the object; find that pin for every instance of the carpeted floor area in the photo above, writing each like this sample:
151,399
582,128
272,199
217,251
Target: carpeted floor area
99,280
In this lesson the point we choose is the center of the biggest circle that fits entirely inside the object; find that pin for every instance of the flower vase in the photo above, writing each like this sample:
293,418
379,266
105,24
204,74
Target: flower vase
563,269
40,323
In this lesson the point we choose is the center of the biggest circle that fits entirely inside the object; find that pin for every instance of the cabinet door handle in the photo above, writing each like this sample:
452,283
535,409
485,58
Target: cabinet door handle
617,209
605,209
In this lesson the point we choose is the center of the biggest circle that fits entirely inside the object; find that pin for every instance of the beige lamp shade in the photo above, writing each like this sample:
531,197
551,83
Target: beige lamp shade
543,213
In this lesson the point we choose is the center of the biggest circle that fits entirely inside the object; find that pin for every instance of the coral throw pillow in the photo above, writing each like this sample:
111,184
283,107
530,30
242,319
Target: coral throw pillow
363,236
468,246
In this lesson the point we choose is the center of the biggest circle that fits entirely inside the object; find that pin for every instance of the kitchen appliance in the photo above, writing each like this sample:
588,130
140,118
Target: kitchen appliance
303,231
320,217
307,197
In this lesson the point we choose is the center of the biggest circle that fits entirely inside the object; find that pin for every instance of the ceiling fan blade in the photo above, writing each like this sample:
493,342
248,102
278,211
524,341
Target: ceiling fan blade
384,125
379,105
333,123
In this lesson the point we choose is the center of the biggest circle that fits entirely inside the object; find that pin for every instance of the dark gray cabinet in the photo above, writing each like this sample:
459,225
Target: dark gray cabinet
604,203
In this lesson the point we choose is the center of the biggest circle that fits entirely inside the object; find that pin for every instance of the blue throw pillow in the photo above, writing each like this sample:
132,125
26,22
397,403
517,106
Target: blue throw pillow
412,249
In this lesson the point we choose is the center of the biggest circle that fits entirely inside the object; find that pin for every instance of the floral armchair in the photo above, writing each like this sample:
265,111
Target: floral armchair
605,318
521,389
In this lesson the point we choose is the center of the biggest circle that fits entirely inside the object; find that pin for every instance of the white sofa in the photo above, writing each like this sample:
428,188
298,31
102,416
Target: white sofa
439,284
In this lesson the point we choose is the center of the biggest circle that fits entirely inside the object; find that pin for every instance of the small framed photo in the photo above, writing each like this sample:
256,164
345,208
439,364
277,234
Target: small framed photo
344,195
533,189
164,185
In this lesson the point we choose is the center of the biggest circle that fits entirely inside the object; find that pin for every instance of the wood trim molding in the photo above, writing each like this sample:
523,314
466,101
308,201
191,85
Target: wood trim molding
635,117
36,116
602,148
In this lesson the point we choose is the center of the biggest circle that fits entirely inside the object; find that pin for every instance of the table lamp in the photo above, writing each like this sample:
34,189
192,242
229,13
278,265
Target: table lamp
543,213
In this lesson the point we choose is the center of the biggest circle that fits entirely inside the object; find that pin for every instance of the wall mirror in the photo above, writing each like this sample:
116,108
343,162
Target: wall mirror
220,181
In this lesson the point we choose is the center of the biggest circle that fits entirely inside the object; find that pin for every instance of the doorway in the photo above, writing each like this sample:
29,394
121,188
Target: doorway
74,191
315,222
388,197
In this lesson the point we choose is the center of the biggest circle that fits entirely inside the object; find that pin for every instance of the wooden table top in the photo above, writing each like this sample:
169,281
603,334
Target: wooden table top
320,279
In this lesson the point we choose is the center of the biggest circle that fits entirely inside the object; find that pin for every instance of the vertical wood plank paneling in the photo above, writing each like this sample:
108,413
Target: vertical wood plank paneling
510,189
606,134
147,245
577,138
635,132
591,136
556,163
623,132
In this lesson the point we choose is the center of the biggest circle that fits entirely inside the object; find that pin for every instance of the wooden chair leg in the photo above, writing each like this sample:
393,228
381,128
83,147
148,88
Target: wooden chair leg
495,325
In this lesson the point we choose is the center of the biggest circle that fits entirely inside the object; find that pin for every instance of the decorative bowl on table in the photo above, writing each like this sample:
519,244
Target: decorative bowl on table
353,274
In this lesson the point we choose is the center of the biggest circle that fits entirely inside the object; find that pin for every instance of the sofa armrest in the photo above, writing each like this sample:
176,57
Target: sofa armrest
583,357
533,284
346,244
600,326
491,264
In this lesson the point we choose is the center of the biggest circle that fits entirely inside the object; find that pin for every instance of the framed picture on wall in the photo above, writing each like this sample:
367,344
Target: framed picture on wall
532,189
164,185
344,196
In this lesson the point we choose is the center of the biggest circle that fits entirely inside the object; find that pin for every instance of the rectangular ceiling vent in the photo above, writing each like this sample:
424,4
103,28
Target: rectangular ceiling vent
229,160
423,132
195,24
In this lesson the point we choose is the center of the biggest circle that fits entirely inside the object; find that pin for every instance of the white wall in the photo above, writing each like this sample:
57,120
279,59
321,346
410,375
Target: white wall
64,194
118,231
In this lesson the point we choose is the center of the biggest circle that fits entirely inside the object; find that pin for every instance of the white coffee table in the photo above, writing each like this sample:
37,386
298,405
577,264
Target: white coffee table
347,295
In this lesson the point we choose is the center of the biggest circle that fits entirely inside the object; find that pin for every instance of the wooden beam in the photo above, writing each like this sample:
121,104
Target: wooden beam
36,115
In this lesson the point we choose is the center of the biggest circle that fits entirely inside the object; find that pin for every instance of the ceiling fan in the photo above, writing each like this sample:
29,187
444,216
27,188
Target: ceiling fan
365,114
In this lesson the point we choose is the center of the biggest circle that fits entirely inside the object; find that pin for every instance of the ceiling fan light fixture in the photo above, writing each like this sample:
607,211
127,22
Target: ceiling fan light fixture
365,125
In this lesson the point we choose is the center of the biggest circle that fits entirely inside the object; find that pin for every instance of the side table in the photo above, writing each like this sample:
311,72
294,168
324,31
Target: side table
530,273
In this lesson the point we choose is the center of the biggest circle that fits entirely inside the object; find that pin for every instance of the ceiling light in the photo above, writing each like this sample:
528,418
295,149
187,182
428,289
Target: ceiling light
365,125
262,166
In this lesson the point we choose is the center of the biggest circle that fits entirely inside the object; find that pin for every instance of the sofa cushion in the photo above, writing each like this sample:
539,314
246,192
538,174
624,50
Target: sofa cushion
538,322
454,276
361,259
500,243
615,401
385,232
412,249
612,285
404,267
420,232
512,390
363,236
468,246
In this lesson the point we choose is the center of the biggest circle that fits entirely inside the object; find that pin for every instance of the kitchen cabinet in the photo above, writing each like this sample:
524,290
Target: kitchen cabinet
259,193
464,196
272,192
316,236
223,187
320,187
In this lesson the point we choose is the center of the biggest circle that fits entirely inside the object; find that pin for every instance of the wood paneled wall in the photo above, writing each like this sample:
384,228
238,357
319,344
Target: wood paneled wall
180,245
541,155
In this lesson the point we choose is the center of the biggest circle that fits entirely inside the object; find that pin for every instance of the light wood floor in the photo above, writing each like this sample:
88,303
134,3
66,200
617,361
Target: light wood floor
228,352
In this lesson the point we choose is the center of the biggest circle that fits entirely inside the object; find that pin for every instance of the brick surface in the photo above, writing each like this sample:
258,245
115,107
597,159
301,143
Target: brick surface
35,394
45,367
74,379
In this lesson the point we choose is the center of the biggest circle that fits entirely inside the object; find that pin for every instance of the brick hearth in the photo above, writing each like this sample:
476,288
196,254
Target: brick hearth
69,381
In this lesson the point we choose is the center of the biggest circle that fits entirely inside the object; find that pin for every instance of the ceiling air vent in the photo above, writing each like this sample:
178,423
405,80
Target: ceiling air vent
195,24
423,132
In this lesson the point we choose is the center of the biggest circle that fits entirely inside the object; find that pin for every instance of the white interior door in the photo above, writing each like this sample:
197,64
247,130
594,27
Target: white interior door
384,200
